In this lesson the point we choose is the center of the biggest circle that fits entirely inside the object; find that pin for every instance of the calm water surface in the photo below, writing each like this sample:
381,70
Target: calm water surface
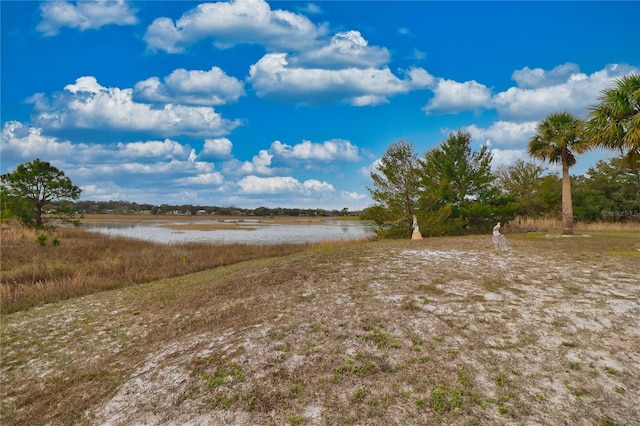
257,234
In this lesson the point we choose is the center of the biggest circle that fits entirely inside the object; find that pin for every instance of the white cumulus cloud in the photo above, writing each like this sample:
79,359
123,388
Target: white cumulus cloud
272,76
84,15
21,142
282,184
153,149
313,185
88,105
259,164
504,133
353,196
538,92
563,88
218,148
195,87
332,150
233,22
214,179
103,191
507,157
345,49
373,167
452,97
528,78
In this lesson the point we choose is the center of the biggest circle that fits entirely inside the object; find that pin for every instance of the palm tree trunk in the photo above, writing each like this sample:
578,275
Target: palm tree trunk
567,204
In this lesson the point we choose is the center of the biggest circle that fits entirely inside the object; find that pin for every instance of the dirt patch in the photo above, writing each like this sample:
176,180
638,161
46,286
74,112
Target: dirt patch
411,332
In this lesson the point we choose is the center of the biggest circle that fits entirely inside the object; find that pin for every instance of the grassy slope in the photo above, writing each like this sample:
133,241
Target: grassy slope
401,332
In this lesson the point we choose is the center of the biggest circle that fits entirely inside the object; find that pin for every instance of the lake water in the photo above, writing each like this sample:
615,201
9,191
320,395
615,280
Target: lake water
250,233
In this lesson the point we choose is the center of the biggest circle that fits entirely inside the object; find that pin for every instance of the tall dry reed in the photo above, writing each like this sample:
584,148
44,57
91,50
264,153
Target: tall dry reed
525,224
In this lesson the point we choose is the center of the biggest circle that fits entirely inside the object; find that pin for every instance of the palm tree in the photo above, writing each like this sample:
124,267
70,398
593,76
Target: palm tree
615,122
559,137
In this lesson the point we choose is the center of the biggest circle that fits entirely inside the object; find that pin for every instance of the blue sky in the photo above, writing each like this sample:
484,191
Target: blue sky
290,103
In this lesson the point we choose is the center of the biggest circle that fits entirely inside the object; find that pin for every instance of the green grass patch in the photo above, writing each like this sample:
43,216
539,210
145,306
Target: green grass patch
445,400
365,369
610,370
382,340
501,380
296,420
616,234
623,253
223,375
359,395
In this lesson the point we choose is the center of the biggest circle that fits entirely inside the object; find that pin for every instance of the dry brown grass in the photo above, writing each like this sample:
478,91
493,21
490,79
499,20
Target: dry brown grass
86,262
437,331
523,224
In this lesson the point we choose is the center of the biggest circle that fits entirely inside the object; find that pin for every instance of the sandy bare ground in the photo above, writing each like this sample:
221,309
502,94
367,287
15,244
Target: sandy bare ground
442,330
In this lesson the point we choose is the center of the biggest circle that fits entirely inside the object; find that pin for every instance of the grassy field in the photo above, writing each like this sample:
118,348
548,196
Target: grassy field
440,330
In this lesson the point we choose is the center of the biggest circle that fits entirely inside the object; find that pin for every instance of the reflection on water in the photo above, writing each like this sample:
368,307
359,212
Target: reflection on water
265,234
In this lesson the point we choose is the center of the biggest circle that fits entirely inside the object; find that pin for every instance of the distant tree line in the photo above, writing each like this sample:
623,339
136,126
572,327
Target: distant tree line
127,207
452,189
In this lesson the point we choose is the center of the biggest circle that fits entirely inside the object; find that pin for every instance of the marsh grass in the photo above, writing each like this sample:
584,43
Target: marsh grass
379,332
544,225
84,262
